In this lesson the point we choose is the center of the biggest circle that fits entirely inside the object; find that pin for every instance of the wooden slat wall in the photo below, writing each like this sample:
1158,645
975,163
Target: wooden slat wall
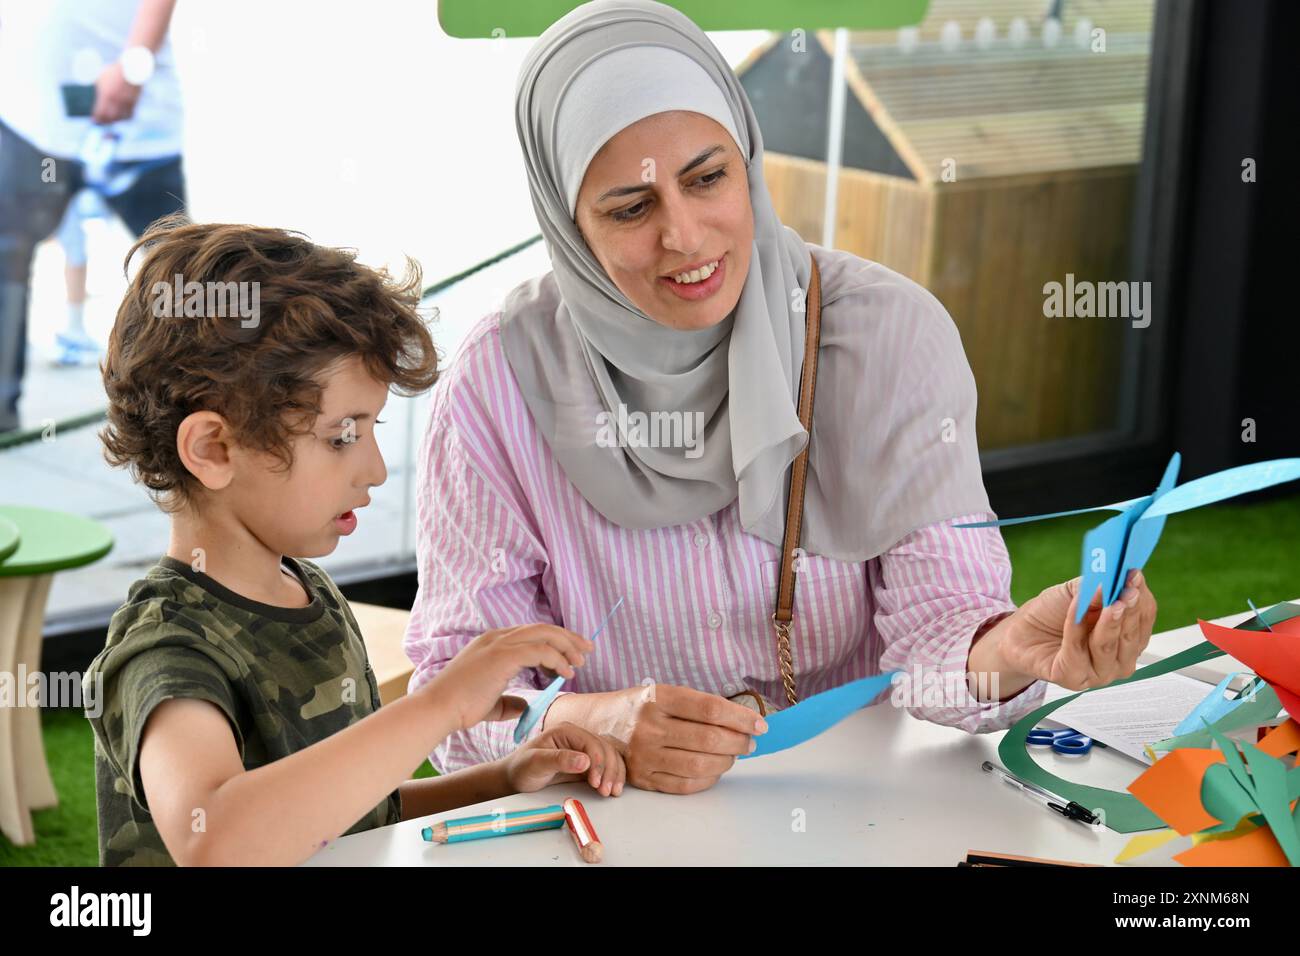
996,245
798,190
953,87
1008,144
999,115
1007,110
883,218
985,249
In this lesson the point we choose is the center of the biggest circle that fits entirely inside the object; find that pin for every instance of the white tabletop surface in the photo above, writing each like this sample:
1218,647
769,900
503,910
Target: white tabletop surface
881,788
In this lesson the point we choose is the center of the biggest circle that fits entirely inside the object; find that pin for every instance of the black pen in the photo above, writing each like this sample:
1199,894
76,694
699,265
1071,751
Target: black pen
1066,808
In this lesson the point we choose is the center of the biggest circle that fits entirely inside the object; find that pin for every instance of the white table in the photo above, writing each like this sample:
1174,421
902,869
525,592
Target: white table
882,788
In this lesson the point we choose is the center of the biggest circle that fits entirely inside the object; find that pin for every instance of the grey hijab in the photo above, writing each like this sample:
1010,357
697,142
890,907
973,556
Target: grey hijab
587,360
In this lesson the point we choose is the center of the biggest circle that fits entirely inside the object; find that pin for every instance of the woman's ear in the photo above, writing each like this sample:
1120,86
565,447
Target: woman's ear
203,442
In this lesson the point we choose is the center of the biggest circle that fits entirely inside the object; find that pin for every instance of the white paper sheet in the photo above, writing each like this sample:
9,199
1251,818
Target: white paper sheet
1128,717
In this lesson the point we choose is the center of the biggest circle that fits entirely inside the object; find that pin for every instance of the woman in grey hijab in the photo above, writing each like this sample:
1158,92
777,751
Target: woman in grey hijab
625,428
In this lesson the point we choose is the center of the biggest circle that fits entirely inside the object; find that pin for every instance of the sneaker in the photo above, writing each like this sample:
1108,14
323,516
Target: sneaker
79,341
75,352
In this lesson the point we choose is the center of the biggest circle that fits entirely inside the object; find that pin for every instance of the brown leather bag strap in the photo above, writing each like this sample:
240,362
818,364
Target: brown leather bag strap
784,614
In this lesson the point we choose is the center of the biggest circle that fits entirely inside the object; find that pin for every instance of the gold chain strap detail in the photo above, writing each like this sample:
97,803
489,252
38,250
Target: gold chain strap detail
786,659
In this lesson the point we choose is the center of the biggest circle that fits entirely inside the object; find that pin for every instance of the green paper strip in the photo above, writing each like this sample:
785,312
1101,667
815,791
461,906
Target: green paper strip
1124,812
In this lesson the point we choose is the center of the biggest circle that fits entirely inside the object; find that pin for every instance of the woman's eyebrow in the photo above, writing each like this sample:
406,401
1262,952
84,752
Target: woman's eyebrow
703,157
622,191
698,160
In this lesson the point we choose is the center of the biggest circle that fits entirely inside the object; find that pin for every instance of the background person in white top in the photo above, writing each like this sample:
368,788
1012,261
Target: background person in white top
88,99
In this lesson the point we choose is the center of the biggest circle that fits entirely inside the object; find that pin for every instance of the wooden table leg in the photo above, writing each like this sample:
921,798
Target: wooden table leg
15,819
34,784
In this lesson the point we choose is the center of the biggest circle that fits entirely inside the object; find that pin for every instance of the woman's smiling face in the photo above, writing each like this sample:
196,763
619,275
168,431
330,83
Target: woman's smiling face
667,200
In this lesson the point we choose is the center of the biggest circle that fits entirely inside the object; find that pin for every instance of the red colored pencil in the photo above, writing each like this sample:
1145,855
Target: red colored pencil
584,834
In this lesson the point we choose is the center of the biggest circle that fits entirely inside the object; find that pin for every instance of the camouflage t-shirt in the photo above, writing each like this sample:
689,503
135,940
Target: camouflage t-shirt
284,677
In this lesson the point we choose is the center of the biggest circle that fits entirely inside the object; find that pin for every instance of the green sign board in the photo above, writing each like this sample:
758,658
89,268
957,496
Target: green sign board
529,18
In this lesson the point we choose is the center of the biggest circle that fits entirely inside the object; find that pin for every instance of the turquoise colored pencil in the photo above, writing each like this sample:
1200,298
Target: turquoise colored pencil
495,825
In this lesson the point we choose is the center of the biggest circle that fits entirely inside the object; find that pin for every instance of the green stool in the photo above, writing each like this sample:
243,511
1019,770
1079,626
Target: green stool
34,543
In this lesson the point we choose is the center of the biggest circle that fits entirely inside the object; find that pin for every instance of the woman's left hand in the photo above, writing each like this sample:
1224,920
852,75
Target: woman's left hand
1046,642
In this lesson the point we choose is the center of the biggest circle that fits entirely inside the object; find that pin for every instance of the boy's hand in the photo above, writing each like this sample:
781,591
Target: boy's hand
566,754
470,686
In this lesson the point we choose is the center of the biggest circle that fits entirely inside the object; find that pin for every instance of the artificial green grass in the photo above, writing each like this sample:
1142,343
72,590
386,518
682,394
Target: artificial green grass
65,834
1208,563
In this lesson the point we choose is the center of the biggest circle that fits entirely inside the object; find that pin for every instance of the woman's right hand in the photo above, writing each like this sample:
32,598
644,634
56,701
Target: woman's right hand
470,686
674,739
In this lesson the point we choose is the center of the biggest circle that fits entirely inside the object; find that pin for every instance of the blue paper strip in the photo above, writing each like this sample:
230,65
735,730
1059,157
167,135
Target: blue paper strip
808,718
1117,506
1259,617
542,701
1226,484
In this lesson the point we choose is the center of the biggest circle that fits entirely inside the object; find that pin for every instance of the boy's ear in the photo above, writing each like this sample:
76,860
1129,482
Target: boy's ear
204,445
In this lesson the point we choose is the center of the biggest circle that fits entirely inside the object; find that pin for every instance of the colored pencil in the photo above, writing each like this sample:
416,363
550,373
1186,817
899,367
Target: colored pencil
584,834
495,825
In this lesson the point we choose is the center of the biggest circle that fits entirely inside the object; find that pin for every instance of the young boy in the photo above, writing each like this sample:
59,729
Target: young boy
241,722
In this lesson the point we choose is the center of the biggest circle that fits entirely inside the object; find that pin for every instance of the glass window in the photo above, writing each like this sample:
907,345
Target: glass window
992,155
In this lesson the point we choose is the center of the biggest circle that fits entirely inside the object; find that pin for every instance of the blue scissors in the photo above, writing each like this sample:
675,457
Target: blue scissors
1063,740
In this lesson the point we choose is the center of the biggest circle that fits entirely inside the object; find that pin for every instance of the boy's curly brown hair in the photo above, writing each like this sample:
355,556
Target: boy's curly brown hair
315,305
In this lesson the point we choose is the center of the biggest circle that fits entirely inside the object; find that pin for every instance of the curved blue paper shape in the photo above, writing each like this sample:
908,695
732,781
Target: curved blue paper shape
1226,484
1144,535
1103,553
808,718
538,707
1212,709
1002,523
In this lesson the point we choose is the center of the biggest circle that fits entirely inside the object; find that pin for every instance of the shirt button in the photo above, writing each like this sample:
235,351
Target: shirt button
715,620
701,540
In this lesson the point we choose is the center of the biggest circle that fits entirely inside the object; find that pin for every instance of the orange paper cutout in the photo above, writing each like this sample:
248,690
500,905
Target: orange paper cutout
1281,740
1171,788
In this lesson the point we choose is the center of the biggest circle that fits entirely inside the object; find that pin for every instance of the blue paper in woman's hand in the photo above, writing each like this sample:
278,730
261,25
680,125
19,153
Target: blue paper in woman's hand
808,718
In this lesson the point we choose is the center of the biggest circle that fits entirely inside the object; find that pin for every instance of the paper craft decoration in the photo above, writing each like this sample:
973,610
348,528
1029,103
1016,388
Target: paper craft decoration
1237,806
1123,812
1216,706
1126,542
1272,654
819,713
1250,713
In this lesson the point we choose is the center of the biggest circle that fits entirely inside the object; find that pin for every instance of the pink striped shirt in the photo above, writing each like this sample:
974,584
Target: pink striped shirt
505,538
